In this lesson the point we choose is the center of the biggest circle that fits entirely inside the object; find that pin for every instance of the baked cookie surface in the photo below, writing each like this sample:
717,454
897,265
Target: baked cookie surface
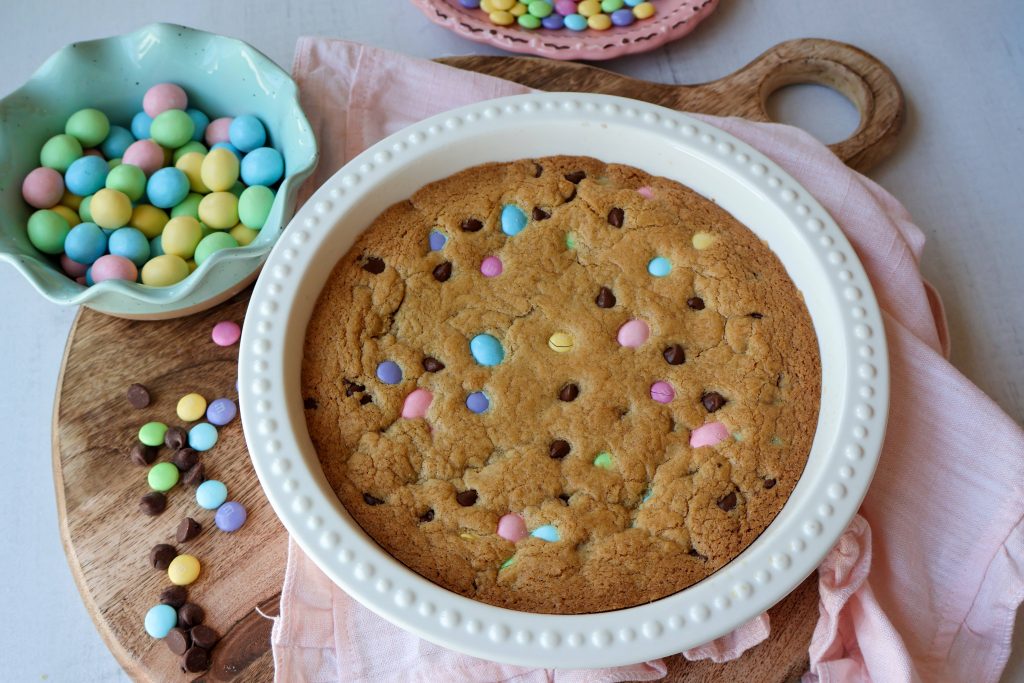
559,385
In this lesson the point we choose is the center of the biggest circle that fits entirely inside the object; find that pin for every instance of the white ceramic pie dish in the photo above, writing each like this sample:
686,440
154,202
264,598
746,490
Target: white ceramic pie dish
854,400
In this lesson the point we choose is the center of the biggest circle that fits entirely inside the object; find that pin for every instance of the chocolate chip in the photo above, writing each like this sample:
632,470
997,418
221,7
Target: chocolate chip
372,500
352,388
138,396
696,303
712,401
756,316
568,392
575,176
540,214
443,271
195,661
616,217
175,596
161,555
153,503
693,553
728,502
472,225
374,265
188,529
537,170
178,640
605,298
185,459
572,196
769,483
176,438
564,497
466,498
431,364
204,636
427,516
559,449
190,614
143,455
674,354
310,404
195,476
365,399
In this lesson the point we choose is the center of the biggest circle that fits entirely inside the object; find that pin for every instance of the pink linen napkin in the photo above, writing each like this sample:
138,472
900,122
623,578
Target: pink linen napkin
923,586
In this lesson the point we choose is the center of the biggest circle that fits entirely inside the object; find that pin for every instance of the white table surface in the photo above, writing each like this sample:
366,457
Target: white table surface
958,170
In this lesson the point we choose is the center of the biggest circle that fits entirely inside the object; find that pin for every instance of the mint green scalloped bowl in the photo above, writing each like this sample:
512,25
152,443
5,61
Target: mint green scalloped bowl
223,77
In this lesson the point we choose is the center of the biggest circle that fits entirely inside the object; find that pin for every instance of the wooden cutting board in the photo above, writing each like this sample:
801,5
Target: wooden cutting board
106,538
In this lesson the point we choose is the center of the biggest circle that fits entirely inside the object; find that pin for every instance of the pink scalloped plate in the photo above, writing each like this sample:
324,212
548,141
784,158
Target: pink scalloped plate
673,20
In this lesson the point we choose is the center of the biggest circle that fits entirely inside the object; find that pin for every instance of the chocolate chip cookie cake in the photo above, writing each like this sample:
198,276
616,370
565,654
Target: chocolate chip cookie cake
558,385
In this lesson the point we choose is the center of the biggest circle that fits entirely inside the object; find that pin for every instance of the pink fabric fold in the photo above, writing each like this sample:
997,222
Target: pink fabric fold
923,585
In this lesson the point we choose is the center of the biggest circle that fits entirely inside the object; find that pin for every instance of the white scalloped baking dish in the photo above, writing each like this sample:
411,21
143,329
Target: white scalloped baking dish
854,397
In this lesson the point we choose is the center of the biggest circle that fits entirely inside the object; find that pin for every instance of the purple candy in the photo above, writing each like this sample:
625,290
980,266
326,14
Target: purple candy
470,4
623,17
565,7
389,372
437,240
553,21
477,402
230,516
221,411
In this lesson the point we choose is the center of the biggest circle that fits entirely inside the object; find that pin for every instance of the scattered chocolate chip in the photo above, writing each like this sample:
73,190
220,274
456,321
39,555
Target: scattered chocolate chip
195,661
365,399
138,396
431,364
540,214
143,455
756,316
565,498
195,476
575,176
769,483
190,614
616,217
712,401
188,529
778,380
537,170
568,392
466,498
175,596
161,555
427,516
178,640
674,354
175,438
153,503
443,271
559,449
605,298
185,459
572,196
728,502
352,388
472,225
372,500
204,636
693,553
374,265
696,303
310,404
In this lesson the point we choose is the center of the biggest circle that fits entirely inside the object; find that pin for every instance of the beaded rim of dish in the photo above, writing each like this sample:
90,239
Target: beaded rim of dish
764,573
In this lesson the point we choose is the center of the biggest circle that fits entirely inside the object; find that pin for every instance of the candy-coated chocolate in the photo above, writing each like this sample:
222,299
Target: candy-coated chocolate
575,22
43,188
148,219
59,151
152,433
254,206
247,133
221,411
623,17
604,460
230,516
702,240
172,128
478,402
183,570
162,476
128,179
609,6
163,96
73,268
644,10
513,220
85,243
140,126
553,22
528,21
708,434
229,147
491,266
131,244
145,154
164,270
188,207
486,350
226,333
634,333
181,236
70,200
589,8
191,165
416,404
437,240
191,407
217,131
262,166
599,22
565,7
548,533
540,8
188,148
659,266
211,244
199,123
47,231
389,372
219,169
89,126
511,527
112,267
167,187
67,214
243,234
662,392
211,494
202,437
219,210
86,175
159,620
561,342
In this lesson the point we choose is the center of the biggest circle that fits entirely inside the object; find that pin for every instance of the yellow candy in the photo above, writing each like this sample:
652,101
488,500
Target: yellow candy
181,235
503,4
518,9
191,407
589,8
243,234
71,200
164,270
190,164
486,6
644,10
67,214
599,22
148,219
561,342
220,170
110,209
192,265
219,210
702,240
501,18
183,570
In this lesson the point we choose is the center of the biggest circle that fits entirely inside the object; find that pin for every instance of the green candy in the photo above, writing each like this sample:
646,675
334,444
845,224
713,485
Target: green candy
541,9
213,243
163,476
128,179
47,231
604,460
59,152
192,146
89,126
609,6
83,209
189,206
237,189
570,241
114,163
172,128
152,433
254,206
529,21
507,563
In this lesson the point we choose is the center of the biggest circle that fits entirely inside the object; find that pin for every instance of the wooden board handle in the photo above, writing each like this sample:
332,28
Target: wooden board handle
859,76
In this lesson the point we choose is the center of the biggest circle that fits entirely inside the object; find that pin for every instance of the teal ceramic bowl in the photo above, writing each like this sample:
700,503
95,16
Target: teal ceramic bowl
223,77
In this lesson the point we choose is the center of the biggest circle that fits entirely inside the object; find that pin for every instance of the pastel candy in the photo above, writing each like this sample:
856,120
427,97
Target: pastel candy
645,192
491,266
217,130
389,372
416,404
662,392
604,460
43,188
634,333
160,620
659,266
211,494
708,435
145,154
221,411
512,528
702,240
202,437
164,96
477,402
486,350
118,140
513,220
437,240
561,342
230,516
548,532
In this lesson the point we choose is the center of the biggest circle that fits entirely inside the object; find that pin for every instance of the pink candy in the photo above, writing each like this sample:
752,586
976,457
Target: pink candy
113,267
145,154
491,266
708,435
72,268
416,404
662,392
164,96
565,7
226,333
217,131
645,192
634,333
511,527
43,188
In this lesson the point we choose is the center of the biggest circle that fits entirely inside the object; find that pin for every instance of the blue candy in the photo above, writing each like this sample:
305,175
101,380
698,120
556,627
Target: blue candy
88,277
389,372
130,243
117,142
478,402
262,166
553,21
200,120
167,188
85,243
486,350
659,266
156,246
575,22
513,220
247,133
548,532
221,411
437,240
140,125
211,494
202,437
86,175
227,146
160,619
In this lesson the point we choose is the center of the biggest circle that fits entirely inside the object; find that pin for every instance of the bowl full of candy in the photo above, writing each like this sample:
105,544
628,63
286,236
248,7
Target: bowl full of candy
148,175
